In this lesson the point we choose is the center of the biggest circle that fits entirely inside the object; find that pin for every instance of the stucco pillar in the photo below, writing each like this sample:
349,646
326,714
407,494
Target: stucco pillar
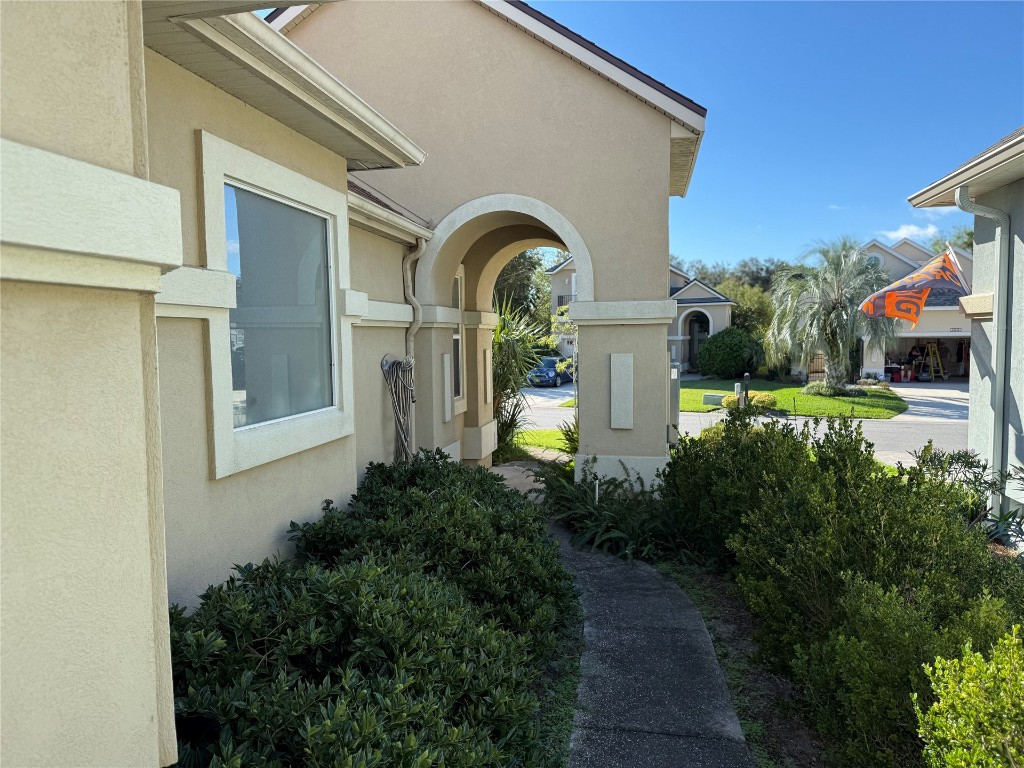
438,412
623,385
479,435
85,239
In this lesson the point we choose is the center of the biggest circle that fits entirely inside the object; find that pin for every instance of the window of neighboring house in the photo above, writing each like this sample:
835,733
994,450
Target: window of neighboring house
281,329
458,299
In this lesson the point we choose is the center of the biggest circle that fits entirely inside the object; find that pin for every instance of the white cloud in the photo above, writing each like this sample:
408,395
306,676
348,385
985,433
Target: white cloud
912,231
233,247
835,207
934,214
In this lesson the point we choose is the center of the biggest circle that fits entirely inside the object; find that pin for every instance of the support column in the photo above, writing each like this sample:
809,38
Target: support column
438,415
623,385
480,434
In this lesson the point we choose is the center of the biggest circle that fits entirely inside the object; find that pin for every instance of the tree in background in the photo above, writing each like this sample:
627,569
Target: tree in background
513,355
753,310
750,271
525,287
962,237
816,310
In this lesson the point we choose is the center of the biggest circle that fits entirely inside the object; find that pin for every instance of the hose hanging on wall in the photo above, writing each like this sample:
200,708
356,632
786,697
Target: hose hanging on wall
398,375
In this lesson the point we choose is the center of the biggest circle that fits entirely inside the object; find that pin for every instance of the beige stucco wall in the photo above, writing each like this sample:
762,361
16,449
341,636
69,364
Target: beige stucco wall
173,120
70,72
79,642
84,647
476,93
244,517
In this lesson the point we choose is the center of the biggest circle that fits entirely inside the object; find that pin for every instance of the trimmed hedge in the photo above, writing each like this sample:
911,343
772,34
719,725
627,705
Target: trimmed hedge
414,630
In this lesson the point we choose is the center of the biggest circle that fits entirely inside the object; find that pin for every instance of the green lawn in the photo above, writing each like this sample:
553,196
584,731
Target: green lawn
542,438
876,404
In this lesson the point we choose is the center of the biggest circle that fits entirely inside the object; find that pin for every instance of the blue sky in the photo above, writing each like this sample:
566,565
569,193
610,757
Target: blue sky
822,117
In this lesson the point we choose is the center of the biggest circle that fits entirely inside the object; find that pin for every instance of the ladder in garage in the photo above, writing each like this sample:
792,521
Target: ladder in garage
933,361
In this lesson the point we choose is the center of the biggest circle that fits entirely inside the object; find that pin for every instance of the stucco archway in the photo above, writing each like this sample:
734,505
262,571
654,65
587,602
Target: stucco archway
471,221
455,279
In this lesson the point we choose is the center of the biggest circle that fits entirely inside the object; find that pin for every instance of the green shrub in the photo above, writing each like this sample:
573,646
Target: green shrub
820,388
763,400
977,718
727,353
459,523
370,664
570,436
730,401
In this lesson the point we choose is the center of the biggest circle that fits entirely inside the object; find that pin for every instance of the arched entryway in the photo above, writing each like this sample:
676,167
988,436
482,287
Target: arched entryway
693,328
455,280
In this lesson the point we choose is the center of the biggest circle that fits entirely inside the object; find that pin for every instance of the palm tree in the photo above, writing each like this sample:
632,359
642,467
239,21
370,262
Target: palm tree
512,357
816,309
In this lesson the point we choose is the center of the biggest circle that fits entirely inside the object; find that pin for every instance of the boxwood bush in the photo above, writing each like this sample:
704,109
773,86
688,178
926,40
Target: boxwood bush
977,718
413,630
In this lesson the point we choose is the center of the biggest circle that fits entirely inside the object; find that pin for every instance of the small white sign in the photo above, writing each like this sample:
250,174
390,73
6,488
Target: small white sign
956,330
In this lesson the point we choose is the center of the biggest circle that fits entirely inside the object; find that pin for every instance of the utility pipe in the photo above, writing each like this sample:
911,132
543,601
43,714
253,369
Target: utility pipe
1000,307
410,334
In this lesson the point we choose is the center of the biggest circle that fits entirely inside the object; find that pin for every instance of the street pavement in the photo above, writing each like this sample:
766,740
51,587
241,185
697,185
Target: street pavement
936,411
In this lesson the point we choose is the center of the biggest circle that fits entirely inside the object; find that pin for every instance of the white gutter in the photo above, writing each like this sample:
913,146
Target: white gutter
999,320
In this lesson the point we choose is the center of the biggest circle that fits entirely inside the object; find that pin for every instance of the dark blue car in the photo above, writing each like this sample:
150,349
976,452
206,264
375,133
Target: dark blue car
547,373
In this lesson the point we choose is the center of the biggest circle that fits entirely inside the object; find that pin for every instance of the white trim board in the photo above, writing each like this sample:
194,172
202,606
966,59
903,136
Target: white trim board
52,202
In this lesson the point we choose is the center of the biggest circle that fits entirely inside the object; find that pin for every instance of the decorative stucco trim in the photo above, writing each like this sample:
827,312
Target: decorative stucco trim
37,265
480,442
622,312
195,286
621,390
434,315
380,312
236,450
977,306
690,311
487,321
373,218
465,213
49,201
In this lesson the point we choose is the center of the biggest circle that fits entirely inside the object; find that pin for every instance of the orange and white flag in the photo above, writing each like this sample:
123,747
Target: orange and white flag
905,298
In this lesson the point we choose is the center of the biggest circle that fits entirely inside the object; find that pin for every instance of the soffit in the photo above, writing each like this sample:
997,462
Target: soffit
997,166
243,56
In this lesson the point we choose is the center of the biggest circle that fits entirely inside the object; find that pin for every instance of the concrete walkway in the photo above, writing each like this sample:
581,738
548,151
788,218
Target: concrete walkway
651,693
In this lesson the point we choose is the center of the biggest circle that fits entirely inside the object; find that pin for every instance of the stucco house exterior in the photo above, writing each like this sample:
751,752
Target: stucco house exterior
700,311
940,320
210,240
991,186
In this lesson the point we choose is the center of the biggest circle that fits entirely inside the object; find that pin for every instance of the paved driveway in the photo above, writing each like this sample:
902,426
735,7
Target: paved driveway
936,411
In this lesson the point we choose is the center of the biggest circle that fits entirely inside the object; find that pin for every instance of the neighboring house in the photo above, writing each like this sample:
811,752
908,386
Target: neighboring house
991,186
940,321
700,311
206,236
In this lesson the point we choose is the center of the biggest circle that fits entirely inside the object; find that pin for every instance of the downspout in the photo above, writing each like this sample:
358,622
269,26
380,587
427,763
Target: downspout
410,334
1000,307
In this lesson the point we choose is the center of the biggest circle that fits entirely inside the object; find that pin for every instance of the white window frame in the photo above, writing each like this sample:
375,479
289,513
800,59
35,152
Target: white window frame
460,404
238,449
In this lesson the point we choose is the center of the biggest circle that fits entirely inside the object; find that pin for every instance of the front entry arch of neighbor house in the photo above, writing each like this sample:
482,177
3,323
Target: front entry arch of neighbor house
694,328
623,396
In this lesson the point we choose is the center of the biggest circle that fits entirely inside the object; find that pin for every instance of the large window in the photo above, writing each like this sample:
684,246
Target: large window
281,339
275,296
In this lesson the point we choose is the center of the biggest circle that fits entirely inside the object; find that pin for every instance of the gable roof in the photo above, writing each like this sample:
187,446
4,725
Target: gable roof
997,166
896,254
558,266
926,253
715,298
688,117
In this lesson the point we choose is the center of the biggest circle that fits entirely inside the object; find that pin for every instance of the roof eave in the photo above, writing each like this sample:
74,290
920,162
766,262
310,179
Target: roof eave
281,67
941,193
